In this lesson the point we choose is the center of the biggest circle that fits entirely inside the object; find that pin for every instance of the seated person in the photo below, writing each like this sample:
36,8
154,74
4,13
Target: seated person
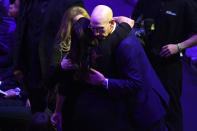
13,110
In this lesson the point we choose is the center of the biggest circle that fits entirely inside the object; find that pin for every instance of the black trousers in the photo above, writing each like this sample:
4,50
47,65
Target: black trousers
170,75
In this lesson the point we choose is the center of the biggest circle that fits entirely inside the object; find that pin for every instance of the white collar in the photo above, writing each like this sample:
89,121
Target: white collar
114,27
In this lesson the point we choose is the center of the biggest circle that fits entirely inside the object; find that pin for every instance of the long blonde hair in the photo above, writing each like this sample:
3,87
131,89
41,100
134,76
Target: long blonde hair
64,34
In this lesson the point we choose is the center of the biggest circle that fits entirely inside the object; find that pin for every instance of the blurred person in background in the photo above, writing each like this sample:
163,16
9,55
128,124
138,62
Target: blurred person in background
13,110
170,27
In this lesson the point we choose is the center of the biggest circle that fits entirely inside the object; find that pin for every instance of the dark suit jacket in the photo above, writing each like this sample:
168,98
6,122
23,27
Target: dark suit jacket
91,108
138,83
133,96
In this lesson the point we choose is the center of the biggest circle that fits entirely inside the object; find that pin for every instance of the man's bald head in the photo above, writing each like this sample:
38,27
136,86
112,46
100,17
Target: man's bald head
101,14
102,20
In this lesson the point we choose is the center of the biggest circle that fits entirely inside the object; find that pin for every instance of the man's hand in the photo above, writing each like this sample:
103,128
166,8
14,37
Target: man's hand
66,64
95,78
169,50
127,20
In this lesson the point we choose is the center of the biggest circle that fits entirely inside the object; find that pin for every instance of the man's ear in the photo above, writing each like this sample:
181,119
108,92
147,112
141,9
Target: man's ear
112,22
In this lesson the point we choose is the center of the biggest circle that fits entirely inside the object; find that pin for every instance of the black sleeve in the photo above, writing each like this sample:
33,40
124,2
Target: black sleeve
121,32
124,30
130,79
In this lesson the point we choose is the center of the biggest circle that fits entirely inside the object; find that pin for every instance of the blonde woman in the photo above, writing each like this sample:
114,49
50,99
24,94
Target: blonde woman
63,41
63,38
62,47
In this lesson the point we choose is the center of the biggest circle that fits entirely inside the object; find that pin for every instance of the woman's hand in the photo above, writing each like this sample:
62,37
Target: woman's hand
66,64
56,119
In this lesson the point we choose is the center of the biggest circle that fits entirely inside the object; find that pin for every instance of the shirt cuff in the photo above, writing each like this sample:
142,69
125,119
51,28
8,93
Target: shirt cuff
106,83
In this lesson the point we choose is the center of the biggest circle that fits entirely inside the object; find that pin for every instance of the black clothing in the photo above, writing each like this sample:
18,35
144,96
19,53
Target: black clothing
51,26
51,58
133,100
13,111
174,21
137,83
7,35
27,58
92,108
39,20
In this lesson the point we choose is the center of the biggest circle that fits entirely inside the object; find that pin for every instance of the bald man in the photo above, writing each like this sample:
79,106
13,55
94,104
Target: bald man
122,93
127,92
95,109
103,22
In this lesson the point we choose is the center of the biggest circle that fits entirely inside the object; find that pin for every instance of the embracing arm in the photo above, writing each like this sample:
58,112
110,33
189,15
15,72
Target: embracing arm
125,19
129,68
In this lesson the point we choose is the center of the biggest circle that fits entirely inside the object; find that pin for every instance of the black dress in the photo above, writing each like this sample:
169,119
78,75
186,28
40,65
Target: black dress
92,108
